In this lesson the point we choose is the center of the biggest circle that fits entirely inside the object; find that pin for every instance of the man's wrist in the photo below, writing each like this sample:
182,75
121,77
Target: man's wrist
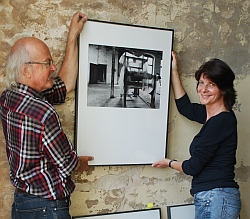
78,163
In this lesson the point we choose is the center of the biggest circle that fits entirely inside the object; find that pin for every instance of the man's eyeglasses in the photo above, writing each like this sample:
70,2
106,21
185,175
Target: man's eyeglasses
47,64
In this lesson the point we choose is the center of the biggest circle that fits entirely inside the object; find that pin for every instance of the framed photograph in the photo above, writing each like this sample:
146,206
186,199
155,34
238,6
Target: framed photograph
177,211
122,96
153,213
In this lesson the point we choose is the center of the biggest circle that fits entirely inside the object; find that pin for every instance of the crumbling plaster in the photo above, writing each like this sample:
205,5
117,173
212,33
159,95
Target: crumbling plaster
203,29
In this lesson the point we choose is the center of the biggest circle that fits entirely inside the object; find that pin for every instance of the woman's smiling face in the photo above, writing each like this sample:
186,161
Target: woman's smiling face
209,92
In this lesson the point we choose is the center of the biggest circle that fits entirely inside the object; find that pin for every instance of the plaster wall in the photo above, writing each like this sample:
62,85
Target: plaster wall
203,29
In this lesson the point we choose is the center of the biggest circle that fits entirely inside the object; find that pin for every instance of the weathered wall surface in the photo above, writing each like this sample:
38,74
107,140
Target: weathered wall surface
203,29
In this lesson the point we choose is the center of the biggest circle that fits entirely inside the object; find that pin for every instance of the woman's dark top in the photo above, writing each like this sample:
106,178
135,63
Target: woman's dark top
212,150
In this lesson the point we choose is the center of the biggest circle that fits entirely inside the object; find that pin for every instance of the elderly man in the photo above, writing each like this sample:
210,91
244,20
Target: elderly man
40,155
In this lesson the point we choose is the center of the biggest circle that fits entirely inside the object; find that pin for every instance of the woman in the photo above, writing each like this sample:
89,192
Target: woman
213,149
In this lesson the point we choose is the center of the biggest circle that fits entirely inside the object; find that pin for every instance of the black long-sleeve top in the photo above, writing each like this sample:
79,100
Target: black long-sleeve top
212,150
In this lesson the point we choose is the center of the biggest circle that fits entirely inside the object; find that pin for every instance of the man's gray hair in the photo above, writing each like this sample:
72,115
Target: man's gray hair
16,60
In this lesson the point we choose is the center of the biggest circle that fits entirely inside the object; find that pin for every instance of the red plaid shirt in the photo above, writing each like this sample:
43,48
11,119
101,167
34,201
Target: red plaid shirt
40,155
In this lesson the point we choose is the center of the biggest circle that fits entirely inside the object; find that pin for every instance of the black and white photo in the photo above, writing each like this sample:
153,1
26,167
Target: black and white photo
122,96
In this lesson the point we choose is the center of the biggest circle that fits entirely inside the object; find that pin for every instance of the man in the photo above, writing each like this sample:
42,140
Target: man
40,155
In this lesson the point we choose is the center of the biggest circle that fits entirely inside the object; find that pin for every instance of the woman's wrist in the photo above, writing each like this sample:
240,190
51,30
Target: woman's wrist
170,163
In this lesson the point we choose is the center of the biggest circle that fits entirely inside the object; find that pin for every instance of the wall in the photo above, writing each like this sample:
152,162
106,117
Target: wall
203,29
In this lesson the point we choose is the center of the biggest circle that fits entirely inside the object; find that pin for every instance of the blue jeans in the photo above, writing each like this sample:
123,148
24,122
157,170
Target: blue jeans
28,206
217,203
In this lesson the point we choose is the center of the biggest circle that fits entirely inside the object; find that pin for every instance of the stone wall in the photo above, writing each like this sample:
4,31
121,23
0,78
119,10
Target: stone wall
203,30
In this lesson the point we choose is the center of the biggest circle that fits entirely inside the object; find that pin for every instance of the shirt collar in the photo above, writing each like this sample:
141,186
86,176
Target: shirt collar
22,88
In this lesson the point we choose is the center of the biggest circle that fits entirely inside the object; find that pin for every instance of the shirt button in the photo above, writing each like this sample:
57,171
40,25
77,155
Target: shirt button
55,209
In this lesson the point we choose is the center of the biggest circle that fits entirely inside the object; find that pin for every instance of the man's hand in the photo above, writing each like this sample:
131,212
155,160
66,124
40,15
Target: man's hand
76,25
83,163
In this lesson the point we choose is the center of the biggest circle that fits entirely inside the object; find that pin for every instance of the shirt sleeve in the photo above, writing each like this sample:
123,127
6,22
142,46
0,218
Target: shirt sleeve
57,94
206,144
58,148
193,111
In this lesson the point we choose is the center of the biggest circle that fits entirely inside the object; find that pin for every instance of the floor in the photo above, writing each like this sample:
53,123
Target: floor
101,95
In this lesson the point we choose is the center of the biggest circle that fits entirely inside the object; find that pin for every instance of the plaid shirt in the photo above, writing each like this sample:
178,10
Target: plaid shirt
40,155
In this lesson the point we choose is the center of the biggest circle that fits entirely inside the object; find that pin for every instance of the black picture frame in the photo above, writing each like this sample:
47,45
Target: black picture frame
123,134
153,213
178,211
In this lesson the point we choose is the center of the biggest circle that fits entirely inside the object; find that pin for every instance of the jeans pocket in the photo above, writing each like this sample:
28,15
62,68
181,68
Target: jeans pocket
202,207
23,212
28,206
231,207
